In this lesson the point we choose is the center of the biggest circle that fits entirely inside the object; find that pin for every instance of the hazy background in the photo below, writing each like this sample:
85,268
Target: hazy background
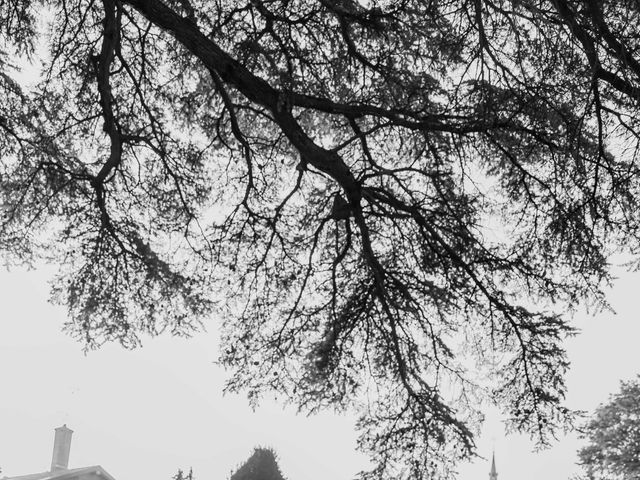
143,414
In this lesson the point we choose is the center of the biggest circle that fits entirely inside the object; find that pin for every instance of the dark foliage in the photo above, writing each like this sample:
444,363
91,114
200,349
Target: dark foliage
391,204
261,465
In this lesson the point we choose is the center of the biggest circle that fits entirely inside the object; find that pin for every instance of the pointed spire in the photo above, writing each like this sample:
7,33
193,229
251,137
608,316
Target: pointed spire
493,474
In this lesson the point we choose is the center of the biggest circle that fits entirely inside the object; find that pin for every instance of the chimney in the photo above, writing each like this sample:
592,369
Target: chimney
61,448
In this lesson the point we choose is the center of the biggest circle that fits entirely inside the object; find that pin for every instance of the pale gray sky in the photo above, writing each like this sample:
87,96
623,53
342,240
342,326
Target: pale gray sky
146,413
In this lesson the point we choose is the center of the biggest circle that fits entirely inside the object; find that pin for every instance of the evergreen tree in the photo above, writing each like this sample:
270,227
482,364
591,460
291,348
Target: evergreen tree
183,476
261,465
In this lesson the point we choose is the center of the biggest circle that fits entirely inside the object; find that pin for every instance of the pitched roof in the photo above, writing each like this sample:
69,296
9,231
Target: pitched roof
64,474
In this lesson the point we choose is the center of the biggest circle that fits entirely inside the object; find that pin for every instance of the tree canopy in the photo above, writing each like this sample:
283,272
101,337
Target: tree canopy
613,437
261,465
389,205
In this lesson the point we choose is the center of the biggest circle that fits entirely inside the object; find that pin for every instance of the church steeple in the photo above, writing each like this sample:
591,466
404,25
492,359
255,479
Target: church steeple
493,474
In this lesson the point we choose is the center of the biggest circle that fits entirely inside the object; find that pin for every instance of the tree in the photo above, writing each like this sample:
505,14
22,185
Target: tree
391,204
613,436
261,465
183,476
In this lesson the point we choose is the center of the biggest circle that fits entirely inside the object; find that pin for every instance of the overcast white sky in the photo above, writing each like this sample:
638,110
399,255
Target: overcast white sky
143,414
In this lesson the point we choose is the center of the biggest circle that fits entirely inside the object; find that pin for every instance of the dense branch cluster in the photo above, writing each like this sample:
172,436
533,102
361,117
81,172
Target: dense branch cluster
390,204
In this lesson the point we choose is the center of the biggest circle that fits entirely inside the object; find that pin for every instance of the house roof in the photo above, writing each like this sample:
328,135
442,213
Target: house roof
64,474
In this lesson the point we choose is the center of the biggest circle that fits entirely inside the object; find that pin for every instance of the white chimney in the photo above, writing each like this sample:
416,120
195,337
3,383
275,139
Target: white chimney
61,448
